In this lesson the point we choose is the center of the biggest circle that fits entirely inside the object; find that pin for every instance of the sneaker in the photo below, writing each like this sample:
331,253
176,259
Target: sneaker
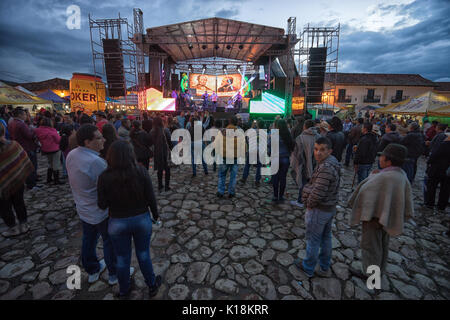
126,296
153,290
298,263
257,184
220,195
167,189
24,228
297,204
242,181
11,232
94,277
323,274
275,200
231,195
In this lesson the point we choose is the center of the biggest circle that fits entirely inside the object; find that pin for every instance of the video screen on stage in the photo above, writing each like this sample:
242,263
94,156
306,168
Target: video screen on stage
269,104
156,102
224,85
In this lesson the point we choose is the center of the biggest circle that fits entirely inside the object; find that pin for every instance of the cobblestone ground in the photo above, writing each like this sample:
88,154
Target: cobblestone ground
207,248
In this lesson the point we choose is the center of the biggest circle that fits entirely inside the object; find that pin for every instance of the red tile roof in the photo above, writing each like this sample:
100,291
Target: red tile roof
381,79
442,86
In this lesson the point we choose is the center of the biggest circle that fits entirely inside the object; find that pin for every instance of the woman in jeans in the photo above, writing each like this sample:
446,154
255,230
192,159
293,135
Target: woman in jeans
286,146
126,190
161,153
49,139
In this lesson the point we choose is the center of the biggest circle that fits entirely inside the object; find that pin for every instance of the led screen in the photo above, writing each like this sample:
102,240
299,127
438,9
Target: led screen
224,85
156,102
269,104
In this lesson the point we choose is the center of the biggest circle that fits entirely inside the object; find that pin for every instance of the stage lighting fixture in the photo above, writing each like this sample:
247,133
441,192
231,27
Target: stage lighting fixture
204,68
228,47
190,46
241,47
239,69
217,47
190,68
204,47
224,68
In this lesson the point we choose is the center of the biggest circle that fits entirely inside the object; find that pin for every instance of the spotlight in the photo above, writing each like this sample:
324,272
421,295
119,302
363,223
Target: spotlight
241,47
204,47
239,68
224,68
190,46
217,47
204,68
228,47
190,68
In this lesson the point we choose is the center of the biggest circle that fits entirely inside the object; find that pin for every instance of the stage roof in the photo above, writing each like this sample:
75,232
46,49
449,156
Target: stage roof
214,37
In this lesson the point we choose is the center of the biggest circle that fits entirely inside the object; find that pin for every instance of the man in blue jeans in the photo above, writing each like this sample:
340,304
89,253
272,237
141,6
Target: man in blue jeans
84,166
320,196
229,159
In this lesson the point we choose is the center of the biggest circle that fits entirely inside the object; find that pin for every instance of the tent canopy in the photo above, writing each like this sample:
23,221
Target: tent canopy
13,96
367,108
428,103
50,95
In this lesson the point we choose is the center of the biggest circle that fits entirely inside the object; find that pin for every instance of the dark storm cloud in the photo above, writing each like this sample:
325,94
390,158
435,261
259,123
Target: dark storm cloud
423,48
35,43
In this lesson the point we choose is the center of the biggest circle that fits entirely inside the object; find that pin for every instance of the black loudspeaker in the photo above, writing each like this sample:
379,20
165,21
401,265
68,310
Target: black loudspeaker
316,74
114,67
220,109
175,82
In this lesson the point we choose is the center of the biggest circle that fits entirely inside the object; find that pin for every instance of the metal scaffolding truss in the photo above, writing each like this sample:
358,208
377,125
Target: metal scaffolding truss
319,37
214,65
101,29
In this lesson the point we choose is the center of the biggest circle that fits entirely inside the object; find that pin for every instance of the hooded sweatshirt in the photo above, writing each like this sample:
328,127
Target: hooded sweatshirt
322,191
388,138
49,139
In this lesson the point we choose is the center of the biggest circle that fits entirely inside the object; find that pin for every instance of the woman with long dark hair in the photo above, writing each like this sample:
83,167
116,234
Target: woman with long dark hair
110,134
141,141
286,146
161,153
125,188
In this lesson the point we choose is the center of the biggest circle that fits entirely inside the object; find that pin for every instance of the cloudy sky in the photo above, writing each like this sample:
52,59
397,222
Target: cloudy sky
386,36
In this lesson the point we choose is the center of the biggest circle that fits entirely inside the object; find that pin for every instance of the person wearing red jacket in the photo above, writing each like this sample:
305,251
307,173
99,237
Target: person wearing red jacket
49,139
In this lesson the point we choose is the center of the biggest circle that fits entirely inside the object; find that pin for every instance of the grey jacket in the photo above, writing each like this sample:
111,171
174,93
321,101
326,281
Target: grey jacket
322,191
302,158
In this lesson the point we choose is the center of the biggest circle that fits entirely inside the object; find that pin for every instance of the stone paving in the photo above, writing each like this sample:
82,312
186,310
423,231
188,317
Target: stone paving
240,248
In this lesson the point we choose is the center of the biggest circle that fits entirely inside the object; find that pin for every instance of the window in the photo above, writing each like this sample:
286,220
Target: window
370,93
341,94
399,94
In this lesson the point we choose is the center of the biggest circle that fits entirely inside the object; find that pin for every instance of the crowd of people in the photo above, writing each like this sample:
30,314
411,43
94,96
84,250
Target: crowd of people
106,159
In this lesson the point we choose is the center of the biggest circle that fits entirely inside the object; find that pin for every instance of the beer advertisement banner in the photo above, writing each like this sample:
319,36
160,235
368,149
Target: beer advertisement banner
83,94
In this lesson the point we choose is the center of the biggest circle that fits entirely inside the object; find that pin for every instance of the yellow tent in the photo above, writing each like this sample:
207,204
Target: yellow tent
428,103
13,96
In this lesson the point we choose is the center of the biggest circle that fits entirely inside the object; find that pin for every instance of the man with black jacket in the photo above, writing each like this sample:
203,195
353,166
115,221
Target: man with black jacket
366,152
352,140
437,172
336,137
391,136
414,141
